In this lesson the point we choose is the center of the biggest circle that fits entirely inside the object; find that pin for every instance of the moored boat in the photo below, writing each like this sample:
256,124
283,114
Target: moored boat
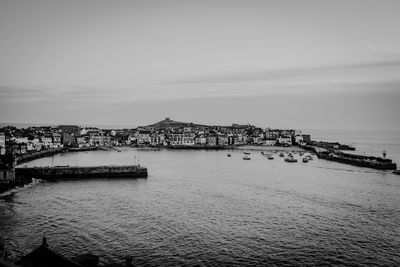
246,158
305,159
270,156
246,153
290,159
228,154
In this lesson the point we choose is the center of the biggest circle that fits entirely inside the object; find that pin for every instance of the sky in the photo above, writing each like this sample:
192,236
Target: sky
283,64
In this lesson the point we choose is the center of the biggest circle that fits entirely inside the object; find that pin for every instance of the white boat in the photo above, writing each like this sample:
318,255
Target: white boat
246,158
270,156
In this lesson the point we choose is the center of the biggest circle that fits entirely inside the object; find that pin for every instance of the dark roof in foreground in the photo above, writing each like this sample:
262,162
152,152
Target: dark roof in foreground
45,257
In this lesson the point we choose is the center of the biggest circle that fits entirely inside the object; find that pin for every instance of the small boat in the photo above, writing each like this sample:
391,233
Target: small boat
305,159
228,154
270,156
290,159
246,153
246,158
281,155
309,157
119,150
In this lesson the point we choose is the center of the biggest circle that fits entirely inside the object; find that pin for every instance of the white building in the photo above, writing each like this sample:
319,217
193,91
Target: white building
47,142
285,140
21,140
270,142
2,144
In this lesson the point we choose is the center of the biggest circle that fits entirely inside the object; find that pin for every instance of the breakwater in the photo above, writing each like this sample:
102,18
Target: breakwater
78,172
353,159
359,160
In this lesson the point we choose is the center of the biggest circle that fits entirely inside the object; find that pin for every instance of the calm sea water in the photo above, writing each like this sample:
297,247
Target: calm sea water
203,208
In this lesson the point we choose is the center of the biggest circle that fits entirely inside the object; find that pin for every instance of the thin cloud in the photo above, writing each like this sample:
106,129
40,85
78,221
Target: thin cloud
332,74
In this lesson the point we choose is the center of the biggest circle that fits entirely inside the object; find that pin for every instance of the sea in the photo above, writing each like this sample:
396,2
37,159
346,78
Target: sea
202,208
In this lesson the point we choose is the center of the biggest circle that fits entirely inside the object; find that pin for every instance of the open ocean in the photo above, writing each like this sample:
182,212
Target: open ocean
204,208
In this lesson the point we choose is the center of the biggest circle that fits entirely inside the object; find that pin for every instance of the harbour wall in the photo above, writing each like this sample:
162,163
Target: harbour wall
77,172
358,160
8,180
352,159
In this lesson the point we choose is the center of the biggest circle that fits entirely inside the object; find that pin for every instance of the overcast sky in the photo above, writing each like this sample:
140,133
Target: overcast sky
295,64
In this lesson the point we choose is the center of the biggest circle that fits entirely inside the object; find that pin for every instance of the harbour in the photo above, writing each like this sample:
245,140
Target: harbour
199,133
202,205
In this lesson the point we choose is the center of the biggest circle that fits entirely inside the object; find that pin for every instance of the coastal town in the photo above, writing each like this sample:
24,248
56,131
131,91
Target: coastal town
19,145
166,133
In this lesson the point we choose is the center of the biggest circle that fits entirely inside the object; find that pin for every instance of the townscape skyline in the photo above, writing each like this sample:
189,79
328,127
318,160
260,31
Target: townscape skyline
305,65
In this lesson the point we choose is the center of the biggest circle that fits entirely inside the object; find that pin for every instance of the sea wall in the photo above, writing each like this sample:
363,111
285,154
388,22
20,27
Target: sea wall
9,180
75,172
359,160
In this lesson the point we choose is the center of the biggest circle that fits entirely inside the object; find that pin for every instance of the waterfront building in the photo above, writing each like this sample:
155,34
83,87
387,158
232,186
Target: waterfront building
272,134
188,138
212,140
298,139
257,140
240,139
47,141
2,144
132,140
200,139
222,140
155,139
284,140
176,139
21,140
270,142
143,138
56,139
18,149
82,141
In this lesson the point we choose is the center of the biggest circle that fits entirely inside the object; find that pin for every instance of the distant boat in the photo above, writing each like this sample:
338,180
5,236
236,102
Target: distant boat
246,153
281,154
119,150
270,156
305,159
246,158
228,154
290,159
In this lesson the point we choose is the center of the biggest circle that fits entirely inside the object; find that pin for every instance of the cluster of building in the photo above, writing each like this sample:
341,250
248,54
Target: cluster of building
17,141
167,133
